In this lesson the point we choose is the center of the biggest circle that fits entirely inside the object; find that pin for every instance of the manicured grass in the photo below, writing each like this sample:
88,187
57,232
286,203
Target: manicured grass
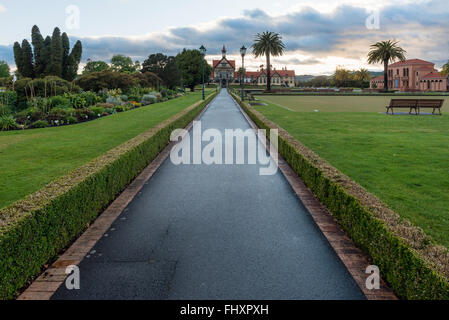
31,159
404,160
341,104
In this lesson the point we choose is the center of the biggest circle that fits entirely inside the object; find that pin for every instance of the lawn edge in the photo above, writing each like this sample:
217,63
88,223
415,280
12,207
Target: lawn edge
33,230
409,261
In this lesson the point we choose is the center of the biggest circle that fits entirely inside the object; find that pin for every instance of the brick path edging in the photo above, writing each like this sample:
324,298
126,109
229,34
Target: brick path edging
46,285
355,261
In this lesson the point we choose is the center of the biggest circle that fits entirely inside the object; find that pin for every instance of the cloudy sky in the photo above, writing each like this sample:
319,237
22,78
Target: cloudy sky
319,34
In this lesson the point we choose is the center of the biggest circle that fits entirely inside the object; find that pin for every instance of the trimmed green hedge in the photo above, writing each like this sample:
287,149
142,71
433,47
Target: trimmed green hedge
408,273
36,229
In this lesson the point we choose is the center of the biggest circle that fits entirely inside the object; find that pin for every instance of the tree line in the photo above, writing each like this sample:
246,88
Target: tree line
184,69
47,57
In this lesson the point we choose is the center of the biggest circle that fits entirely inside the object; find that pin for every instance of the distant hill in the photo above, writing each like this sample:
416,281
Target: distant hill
376,74
304,78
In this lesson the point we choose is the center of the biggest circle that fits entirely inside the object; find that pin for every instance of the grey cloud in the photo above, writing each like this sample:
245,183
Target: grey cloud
341,32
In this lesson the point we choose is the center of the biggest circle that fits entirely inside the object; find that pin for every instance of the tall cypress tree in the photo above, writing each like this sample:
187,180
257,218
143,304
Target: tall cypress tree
56,54
18,57
46,56
27,60
74,60
65,55
38,44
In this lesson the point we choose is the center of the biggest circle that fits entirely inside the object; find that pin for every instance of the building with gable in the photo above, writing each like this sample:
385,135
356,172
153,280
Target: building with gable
224,73
223,70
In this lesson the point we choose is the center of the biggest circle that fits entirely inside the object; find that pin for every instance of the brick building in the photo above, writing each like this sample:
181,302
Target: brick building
224,72
412,75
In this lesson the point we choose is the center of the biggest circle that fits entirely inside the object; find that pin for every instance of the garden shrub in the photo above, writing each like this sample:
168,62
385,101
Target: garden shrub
8,101
77,101
7,122
149,99
44,105
60,102
116,101
411,263
70,120
46,87
96,81
109,110
92,98
85,114
97,110
34,230
40,124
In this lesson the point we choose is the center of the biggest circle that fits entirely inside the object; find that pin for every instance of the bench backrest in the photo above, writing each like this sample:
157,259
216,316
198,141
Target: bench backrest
403,103
430,103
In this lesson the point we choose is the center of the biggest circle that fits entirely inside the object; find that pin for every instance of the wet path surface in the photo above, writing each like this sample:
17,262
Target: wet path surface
214,232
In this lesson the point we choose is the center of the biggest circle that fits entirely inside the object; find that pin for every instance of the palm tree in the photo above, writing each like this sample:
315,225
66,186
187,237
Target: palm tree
268,44
386,51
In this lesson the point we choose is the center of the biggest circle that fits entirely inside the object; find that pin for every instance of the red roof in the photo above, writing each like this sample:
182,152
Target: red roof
412,62
433,75
286,73
217,62
281,73
378,78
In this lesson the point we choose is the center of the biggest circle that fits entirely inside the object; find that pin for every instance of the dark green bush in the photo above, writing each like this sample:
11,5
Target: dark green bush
408,273
60,102
7,122
97,110
40,124
70,120
34,230
8,101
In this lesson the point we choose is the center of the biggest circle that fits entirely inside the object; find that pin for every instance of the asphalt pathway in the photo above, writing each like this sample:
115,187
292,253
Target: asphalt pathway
200,232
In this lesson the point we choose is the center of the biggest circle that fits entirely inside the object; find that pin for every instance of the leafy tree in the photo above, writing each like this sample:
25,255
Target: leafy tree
268,44
164,67
445,69
172,75
189,63
56,56
124,64
4,69
39,50
362,75
95,66
108,79
342,77
155,63
386,51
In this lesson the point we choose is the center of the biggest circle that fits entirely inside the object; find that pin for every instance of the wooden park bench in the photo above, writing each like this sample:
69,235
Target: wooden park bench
415,104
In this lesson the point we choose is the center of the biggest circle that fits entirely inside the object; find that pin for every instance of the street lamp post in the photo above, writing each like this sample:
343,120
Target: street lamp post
203,54
243,53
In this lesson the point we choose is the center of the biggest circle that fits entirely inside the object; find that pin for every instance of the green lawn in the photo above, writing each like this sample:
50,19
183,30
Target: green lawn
339,103
404,160
31,159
